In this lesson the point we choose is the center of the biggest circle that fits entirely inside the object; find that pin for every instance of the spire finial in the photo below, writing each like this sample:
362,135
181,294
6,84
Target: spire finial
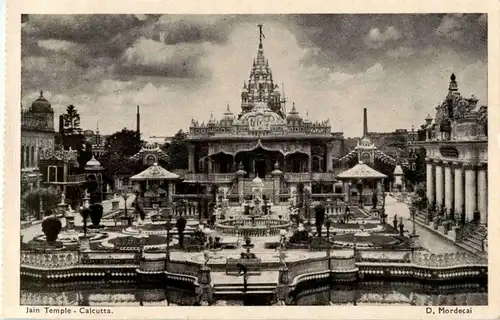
228,108
261,35
453,83
41,93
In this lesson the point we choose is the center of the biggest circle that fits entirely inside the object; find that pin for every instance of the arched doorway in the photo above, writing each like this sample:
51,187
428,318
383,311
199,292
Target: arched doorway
259,162
297,162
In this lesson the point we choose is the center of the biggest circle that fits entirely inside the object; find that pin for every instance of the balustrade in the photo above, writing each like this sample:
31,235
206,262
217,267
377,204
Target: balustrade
448,259
50,260
183,268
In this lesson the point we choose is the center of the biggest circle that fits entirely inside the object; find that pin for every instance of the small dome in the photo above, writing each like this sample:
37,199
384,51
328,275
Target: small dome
257,182
228,115
398,170
41,105
93,165
150,145
88,132
293,115
276,91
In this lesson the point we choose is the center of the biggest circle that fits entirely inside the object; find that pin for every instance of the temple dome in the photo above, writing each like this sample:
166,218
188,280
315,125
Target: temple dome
88,132
228,115
93,165
398,170
150,145
41,105
293,115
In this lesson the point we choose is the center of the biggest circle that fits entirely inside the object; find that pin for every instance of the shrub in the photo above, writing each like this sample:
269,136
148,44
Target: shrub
96,212
51,227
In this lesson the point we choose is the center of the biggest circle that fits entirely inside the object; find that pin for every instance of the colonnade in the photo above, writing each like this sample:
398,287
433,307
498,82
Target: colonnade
460,186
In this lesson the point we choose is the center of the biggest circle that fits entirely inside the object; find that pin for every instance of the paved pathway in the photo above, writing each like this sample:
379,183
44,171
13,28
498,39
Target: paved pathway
34,230
428,239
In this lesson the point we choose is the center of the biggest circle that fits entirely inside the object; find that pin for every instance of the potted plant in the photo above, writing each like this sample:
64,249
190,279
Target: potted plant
96,212
248,240
446,227
51,227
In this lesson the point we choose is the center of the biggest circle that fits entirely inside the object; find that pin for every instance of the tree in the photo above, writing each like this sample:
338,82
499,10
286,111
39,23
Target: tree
418,173
71,133
49,198
177,151
71,121
120,146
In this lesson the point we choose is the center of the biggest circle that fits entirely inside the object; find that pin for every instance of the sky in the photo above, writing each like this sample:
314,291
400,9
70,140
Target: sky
331,66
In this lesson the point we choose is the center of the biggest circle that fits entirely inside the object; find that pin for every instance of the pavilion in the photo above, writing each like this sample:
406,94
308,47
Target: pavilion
156,186
366,180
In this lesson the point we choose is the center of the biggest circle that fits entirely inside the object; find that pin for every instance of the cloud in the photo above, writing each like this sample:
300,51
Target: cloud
57,45
376,39
450,27
107,65
149,57
401,52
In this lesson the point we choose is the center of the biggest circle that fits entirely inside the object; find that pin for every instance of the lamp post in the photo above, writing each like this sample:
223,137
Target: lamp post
168,226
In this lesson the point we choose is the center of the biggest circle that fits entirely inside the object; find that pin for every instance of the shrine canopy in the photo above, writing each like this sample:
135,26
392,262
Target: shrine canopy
361,171
155,173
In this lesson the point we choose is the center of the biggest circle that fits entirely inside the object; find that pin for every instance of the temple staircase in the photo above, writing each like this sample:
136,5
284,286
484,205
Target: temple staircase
474,241
229,289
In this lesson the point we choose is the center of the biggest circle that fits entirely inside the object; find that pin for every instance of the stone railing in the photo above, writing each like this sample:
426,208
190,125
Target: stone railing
184,268
383,256
75,178
110,258
51,260
324,176
259,227
311,268
212,177
448,260
297,176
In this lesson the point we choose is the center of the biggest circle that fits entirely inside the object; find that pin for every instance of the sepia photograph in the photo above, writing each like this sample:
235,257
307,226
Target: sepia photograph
253,160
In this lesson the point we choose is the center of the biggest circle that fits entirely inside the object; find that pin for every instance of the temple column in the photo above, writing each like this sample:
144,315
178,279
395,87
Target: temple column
459,189
429,182
448,184
309,163
329,158
482,192
470,192
210,165
276,174
439,184
191,154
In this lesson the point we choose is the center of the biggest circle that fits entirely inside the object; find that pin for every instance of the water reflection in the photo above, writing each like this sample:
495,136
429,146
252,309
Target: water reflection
363,293
392,293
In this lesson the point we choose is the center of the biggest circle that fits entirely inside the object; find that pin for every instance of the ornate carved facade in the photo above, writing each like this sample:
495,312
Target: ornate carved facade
262,136
457,156
37,135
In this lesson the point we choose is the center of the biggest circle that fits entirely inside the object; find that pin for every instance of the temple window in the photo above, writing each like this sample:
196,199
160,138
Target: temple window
22,157
52,174
33,164
150,160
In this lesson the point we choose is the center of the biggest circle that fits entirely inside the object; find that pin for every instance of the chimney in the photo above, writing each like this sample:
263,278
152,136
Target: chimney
61,124
138,124
365,123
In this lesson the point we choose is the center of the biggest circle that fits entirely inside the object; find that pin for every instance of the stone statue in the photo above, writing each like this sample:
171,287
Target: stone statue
63,198
86,196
